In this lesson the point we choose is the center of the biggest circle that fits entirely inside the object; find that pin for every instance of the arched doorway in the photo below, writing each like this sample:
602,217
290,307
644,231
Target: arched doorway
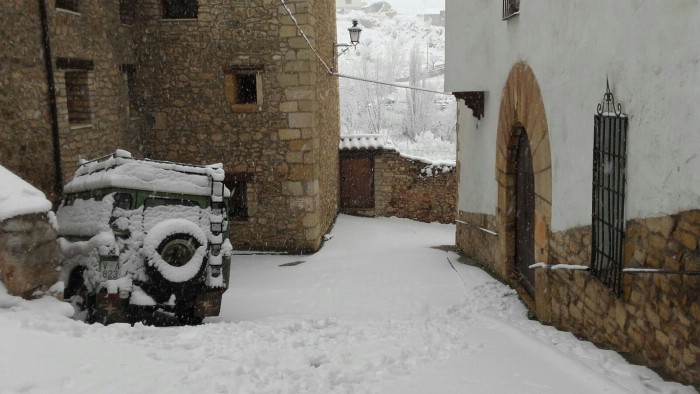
523,161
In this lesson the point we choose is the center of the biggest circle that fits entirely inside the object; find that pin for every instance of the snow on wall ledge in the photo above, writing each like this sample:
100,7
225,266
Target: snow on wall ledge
121,170
380,142
17,197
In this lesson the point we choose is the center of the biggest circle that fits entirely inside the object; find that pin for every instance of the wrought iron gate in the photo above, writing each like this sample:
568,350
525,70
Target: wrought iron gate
609,178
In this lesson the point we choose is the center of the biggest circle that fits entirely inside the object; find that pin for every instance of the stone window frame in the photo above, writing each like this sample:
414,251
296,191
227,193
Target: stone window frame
169,14
68,6
239,185
231,87
77,71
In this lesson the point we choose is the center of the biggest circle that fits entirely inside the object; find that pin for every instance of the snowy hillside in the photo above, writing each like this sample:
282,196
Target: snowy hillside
399,49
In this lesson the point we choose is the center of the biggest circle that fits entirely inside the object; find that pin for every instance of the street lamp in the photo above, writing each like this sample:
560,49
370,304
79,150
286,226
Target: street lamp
354,31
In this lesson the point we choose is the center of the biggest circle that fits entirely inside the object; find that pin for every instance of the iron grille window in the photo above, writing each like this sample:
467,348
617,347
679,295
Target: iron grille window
180,9
608,215
510,8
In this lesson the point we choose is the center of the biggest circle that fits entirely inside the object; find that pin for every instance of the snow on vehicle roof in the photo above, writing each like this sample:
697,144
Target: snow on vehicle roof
365,141
123,171
17,197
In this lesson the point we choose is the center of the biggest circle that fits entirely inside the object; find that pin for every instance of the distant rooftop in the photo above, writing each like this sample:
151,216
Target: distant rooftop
365,141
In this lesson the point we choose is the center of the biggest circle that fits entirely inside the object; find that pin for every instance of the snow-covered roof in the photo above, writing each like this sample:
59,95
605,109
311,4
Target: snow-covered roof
365,141
17,197
121,170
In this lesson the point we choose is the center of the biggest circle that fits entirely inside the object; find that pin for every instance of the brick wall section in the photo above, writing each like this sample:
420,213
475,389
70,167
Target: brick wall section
25,130
656,318
401,190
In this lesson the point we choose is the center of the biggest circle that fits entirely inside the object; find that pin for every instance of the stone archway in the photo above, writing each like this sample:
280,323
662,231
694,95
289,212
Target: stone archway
522,110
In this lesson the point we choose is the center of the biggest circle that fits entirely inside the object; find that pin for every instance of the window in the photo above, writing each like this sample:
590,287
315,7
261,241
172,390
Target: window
237,182
247,89
129,71
243,88
511,8
127,11
180,9
608,214
78,97
70,5
77,81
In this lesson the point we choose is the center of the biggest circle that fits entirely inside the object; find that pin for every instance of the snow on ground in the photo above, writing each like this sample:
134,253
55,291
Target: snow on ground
378,310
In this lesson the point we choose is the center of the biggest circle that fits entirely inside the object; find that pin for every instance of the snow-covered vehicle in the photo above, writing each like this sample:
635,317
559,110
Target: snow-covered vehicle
144,237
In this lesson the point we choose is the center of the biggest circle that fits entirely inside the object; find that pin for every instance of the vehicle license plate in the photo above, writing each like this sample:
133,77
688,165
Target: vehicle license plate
110,269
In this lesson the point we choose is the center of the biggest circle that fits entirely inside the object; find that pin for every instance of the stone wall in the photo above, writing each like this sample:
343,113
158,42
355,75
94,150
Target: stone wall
327,90
26,143
655,318
476,237
404,188
283,142
95,33
653,321
28,254
181,108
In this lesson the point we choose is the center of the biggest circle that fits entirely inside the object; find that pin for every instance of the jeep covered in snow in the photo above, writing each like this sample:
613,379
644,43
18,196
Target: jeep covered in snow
142,237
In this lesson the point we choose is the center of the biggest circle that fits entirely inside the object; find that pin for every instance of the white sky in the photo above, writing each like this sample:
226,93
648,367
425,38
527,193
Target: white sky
414,6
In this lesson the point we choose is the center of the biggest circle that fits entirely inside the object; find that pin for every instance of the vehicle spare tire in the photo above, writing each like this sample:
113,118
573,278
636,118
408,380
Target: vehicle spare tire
176,249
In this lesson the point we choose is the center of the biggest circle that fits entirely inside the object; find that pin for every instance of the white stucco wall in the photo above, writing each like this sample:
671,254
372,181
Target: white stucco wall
648,49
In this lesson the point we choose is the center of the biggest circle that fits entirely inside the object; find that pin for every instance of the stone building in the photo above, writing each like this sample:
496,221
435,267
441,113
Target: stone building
579,178
183,80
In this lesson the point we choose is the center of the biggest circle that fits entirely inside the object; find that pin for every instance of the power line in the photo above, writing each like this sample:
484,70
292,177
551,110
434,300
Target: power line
338,75
390,84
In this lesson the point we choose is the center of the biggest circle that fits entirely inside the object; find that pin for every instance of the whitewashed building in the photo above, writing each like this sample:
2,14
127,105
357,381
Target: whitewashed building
617,216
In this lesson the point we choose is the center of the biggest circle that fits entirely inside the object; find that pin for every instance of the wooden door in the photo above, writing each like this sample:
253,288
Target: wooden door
357,182
525,214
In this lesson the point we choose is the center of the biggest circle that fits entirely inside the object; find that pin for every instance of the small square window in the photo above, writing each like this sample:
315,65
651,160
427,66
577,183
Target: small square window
127,12
247,89
180,9
70,5
243,88
78,97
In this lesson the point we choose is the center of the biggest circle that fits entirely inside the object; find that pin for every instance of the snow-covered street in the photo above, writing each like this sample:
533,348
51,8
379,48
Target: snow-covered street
380,309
